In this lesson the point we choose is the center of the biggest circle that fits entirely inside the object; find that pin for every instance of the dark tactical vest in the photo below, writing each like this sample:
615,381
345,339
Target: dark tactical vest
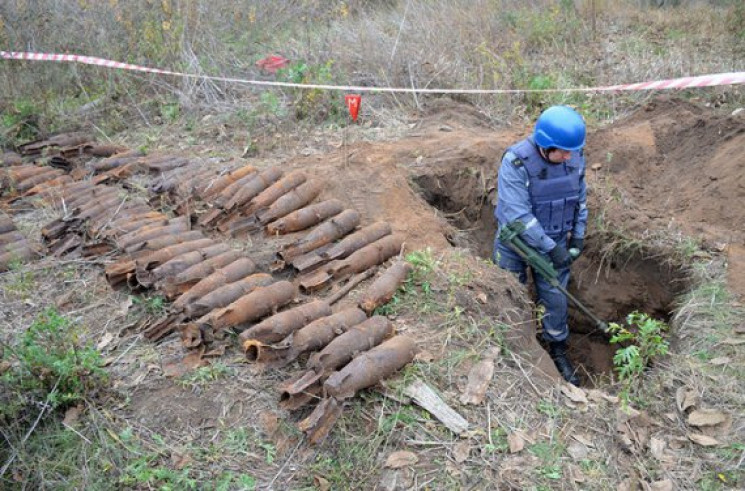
554,188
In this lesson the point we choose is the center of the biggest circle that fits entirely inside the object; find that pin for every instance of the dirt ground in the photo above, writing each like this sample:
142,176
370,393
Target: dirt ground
670,168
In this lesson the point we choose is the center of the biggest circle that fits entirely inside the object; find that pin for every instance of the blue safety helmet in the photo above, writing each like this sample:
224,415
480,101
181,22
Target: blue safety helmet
560,127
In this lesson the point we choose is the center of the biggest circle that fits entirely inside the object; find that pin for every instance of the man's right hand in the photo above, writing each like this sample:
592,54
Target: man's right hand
560,257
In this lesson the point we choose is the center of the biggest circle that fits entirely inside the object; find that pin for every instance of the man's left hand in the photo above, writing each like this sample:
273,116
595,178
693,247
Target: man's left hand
577,243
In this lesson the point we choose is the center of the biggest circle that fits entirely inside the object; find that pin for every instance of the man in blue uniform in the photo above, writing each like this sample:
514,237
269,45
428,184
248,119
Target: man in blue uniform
542,184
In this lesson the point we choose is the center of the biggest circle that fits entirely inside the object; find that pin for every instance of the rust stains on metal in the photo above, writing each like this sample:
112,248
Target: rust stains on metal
131,240
314,336
227,294
215,186
234,271
370,367
117,160
318,425
296,198
273,192
383,288
186,279
358,240
252,189
305,217
255,305
181,262
357,339
282,324
368,256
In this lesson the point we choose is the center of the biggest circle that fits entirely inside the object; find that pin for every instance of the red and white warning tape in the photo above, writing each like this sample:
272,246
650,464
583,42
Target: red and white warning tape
675,83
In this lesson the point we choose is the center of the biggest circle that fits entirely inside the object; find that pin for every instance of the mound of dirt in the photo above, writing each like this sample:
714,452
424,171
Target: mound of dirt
676,165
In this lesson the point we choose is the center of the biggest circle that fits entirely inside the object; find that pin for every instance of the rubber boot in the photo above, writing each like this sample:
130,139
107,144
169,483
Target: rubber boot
558,352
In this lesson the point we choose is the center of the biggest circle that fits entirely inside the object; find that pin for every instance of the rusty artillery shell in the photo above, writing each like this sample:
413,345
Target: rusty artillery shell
314,336
325,233
188,187
255,305
46,186
163,241
319,423
369,256
21,254
6,223
10,159
10,237
291,201
118,272
183,261
17,174
371,367
252,188
233,272
227,294
358,240
305,217
37,179
384,287
226,194
94,209
166,164
15,247
74,200
273,192
105,149
117,160
147,232
124,223
155,258
215,186
170,180
193,274
56,196
344,347
281,325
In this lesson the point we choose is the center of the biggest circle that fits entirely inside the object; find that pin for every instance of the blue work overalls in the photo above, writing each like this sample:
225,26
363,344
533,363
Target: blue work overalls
550,199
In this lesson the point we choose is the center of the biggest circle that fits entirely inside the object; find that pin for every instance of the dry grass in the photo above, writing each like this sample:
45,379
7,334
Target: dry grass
440,44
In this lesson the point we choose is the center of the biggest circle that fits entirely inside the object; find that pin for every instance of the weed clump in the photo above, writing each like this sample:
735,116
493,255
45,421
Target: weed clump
642,341
48,364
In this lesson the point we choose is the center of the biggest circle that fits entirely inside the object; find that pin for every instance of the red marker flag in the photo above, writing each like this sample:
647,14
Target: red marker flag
353,104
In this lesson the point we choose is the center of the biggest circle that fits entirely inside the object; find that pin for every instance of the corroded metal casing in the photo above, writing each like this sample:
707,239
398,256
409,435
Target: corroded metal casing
227,294
214,187
232,272
255,305
344,347
371,255
358,240
325,233
291,201
371,367
252,188
273,192
305,217
384,287
282,324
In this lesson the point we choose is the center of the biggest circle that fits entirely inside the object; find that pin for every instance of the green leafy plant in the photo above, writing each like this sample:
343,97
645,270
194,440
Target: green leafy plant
642,340
49,363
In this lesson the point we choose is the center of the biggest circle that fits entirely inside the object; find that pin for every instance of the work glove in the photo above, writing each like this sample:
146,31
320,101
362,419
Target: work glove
560,257
577,243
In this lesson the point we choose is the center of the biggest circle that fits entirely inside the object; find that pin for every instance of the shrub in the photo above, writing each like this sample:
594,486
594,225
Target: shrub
642,341
48,364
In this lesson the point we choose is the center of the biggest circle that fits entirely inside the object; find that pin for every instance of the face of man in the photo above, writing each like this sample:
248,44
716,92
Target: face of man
557,156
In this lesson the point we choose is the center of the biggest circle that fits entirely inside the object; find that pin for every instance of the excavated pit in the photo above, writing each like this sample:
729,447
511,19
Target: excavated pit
609,288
